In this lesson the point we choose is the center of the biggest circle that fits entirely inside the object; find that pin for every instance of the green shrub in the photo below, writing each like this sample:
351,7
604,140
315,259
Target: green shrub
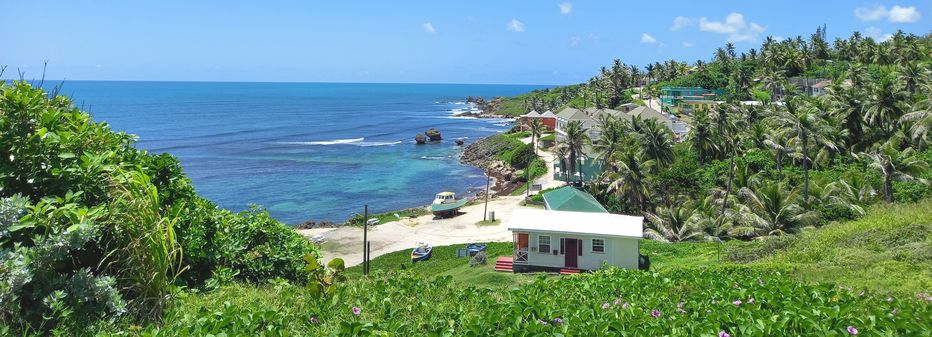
103,229
480,259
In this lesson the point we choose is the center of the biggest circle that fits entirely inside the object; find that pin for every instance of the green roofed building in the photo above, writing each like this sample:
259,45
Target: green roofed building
573,200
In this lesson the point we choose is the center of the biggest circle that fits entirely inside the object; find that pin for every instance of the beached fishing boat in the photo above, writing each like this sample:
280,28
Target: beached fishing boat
421,252
475,248
445,204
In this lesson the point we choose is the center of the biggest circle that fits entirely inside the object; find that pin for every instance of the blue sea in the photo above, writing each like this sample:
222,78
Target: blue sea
303,151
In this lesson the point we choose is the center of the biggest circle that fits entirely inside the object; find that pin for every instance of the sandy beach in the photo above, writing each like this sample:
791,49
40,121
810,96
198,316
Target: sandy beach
346,242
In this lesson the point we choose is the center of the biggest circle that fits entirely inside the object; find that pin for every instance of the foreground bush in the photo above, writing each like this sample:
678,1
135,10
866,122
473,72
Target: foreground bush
687,302
92,228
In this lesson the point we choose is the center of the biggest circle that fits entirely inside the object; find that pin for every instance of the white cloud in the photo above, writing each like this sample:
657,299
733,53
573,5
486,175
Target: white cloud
904,14
688,44
681,22
871,14
429,27
515,26
877,34
646,38
737,29
898,14
566,7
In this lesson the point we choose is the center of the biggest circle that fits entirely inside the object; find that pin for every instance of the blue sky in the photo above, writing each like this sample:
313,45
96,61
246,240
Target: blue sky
502,41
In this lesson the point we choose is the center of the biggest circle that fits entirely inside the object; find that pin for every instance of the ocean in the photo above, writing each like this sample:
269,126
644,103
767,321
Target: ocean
303,151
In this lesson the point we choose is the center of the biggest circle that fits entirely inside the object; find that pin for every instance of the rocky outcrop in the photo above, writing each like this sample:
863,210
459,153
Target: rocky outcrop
433,134
420,138
316,224
483,154
460,141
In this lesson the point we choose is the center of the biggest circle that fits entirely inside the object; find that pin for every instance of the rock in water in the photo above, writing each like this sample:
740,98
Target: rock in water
460,141
420,138
433,134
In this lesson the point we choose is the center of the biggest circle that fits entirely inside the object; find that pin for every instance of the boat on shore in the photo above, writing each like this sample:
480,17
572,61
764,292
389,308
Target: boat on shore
446,205
475,248
421,252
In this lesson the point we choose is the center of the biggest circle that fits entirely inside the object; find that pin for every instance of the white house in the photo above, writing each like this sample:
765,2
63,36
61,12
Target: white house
547,240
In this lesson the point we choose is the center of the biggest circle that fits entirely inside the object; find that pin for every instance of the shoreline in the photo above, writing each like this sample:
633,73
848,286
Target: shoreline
500,184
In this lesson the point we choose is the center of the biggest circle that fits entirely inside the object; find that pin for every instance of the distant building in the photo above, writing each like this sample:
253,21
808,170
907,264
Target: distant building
670,97
688,106
548,119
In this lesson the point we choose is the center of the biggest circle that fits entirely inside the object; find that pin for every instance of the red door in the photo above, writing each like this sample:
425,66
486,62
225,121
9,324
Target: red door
571,253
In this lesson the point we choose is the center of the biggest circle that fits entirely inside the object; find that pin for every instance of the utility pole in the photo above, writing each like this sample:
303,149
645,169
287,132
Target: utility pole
488,181
365,240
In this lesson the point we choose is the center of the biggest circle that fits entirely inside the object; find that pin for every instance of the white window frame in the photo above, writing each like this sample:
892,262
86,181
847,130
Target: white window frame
592,248
540,244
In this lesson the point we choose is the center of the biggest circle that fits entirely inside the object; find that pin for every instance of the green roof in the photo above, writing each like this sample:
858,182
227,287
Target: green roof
571,199
448,207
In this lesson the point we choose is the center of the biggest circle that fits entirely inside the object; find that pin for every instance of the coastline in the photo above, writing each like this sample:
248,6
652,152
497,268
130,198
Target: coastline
472,154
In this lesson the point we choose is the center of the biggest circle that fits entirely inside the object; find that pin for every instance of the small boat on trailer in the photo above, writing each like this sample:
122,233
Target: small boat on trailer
446,205
421,252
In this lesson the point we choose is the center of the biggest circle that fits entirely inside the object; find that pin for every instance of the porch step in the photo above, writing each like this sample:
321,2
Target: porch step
568,271
504,264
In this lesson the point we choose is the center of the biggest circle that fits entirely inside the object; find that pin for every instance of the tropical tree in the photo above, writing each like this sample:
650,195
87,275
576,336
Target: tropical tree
576,137
628,180
560,152
673,224
778,142
885,105
921,118
656,141
894,165
701,138
808,126
537,128
611,138
773,209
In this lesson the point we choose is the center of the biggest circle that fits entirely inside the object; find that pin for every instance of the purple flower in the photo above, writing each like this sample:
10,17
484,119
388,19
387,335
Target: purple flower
557,321
751,300
655,313
852,330
723,334
618,301
357,311
737,303
314,320
894,312
680,306
605,305
626,305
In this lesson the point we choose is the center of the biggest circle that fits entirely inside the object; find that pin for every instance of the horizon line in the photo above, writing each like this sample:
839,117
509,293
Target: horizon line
49,80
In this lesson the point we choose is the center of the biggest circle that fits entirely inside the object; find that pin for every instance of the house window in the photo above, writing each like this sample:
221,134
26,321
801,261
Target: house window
543,244
598,246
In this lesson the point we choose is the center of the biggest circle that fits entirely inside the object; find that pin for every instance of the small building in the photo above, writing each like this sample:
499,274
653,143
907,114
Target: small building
688,106
546,240
670,97
549,120
571,199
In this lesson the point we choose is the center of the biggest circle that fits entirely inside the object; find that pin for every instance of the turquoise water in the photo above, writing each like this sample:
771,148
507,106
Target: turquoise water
304,151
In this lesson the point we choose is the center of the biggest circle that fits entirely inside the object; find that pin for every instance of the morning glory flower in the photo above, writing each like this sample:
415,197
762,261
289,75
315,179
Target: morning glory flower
723,334
605,305
655,313
852,330
626,305
357,311
737,303
557,321
751,300
894,312
314,320
618,301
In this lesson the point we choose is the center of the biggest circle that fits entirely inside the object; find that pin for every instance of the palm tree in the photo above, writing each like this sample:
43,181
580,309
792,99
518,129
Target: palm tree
921,118
701,138
629,179
894,165
848,106
537,128
673,224
808,126
656,141
779,144
885,105
773,209
611,138
560,152
576,137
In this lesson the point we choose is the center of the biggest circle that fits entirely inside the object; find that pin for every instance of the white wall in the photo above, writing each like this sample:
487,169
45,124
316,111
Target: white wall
619,252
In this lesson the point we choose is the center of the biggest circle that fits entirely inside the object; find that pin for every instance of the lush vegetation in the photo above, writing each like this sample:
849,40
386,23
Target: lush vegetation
93,228
359,219
748,171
